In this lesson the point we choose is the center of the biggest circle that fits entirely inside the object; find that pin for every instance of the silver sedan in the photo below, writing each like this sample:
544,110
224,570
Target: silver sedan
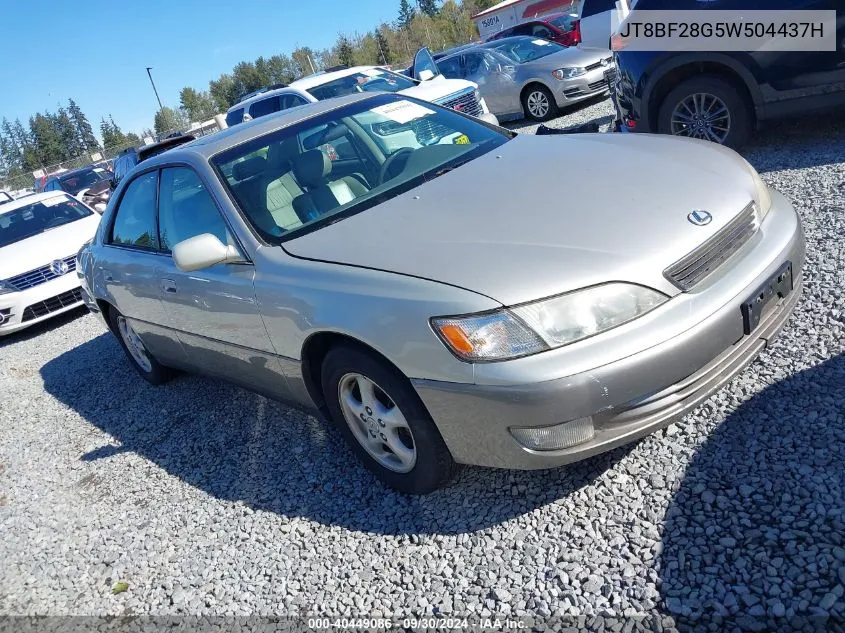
344,258
530,77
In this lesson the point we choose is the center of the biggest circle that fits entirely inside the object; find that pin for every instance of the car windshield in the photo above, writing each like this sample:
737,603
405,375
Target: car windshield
525,49
367,80
38,217
564,22
335,165
77,181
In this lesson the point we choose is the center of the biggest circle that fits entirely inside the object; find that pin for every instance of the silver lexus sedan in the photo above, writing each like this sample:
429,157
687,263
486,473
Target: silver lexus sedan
376,260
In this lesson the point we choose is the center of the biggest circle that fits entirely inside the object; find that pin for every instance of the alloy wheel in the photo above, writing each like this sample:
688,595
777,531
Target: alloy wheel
377,423
134,344
538,104
703,116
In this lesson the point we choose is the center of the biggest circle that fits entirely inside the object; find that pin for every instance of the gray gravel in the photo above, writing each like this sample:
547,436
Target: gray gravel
204,498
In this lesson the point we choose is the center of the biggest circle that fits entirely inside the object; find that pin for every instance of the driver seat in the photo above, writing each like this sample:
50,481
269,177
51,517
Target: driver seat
312,170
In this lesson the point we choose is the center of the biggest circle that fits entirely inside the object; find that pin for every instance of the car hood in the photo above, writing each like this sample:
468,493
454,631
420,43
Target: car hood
543,215
437,89
39,250
571,57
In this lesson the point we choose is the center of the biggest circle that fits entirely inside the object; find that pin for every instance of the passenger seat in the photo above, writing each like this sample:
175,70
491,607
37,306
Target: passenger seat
280,187
312,169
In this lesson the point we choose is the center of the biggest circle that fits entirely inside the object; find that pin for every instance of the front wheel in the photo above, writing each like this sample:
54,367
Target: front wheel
708,108
538,103
384,421
150,369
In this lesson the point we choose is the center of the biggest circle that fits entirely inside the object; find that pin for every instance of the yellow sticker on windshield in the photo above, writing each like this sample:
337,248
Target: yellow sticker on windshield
463,139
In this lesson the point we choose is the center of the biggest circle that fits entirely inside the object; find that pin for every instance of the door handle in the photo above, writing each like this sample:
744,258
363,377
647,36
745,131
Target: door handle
168,285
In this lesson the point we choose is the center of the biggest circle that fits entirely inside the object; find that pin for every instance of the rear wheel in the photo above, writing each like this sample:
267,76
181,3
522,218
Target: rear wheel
384,421
708,108
150,369
538,103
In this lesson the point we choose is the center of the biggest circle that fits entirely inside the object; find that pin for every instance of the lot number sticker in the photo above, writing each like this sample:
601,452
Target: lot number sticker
463,139
403,111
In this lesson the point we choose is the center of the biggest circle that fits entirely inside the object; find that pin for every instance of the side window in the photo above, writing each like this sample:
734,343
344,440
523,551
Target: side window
473,63
186,209
135,220
450,67
264,107
523,29
290,101
235,117
541,30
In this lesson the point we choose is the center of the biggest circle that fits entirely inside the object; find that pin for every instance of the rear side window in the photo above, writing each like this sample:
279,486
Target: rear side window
135,219
235,117
451,67
290,101
186,209
264,107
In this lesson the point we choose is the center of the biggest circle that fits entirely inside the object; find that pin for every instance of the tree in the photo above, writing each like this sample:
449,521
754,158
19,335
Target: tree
223,92
345,52
84,132
167,120
72,145
113,138
48,144
428,7
303,59
406,15
197,106
385,55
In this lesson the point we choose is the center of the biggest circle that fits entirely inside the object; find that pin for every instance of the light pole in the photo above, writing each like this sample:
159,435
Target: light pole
149,68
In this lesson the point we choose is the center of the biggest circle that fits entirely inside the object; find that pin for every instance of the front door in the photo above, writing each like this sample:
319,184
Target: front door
213,311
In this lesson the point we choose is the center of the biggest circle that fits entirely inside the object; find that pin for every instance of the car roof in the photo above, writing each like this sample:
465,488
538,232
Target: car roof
207,146
323,78
502,40
75,172
25,201
261,96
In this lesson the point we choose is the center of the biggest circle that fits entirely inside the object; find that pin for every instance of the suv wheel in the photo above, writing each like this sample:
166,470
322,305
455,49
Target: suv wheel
384,421
708,108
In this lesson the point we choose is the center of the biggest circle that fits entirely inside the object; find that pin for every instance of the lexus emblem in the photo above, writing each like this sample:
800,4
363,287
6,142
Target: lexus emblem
699,217
59,267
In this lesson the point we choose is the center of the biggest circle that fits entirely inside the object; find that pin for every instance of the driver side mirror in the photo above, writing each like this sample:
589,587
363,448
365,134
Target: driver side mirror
204,251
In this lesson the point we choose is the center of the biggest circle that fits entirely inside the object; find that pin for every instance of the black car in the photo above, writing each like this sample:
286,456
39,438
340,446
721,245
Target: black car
128,158
90,184
723,97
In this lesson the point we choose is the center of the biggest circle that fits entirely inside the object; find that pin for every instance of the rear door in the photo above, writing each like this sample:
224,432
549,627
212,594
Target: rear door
213,312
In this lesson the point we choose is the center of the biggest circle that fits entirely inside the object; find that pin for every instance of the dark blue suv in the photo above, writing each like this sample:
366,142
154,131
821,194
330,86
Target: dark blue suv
723,97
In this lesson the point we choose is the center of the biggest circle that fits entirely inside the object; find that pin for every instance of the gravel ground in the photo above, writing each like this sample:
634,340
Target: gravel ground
206,499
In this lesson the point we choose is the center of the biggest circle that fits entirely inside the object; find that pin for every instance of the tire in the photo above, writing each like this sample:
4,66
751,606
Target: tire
346,368
715,95
148,367
538,91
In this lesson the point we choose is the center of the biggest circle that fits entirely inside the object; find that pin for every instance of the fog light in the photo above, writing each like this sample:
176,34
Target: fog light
552,438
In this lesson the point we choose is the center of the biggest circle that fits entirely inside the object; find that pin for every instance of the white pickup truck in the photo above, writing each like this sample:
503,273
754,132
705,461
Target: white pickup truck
457,94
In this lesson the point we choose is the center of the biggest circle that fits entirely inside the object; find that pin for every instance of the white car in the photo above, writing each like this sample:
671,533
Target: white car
40,236
457,94
5,196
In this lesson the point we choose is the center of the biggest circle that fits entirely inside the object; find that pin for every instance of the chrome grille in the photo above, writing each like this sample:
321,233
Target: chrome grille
463,102
708,257
42,308
38,276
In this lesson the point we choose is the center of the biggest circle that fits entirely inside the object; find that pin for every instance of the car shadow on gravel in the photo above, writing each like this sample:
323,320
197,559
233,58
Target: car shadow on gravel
756,531
238,446
800,143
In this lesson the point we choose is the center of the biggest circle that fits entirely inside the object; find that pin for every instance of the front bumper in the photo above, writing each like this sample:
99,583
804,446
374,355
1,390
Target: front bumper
20,310
569,91
630,397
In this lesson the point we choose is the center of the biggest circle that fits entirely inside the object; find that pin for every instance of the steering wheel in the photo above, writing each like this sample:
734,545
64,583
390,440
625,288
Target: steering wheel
54,222
386,165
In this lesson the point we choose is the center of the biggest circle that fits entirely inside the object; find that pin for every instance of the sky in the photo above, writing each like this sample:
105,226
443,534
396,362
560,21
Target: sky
97,51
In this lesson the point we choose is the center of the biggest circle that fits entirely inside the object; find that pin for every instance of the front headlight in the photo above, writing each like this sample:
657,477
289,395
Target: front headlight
568,73
762,197
545,324
6,288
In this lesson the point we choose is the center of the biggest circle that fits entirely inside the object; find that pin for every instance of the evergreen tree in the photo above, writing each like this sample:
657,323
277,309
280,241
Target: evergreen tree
167,120
345,54
384,53
428,7
406,15
72,145
45,137
84,132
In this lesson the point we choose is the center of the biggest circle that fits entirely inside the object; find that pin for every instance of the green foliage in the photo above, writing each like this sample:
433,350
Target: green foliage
428,7
345,53
197,106
406,15
85,134
168,120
